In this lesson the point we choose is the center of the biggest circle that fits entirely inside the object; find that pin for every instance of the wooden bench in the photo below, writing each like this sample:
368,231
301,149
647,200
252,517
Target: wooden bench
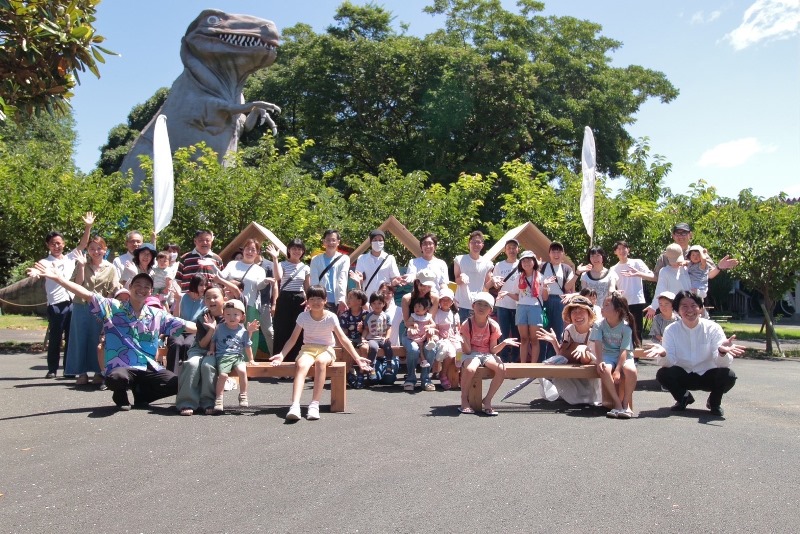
336,373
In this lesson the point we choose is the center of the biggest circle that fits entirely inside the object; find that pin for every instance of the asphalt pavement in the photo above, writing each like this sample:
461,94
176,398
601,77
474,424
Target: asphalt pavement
398,461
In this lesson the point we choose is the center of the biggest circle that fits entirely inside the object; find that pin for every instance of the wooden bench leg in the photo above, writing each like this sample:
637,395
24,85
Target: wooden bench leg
475,395
338,378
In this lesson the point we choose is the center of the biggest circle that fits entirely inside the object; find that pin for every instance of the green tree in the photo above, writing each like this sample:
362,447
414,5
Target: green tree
763,234
43,46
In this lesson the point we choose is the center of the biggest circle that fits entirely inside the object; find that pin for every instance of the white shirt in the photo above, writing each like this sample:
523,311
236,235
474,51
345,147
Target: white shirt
694,349
502,270
435,264
253,283
631,286
367,264
120,261
674,279
66,266
476,270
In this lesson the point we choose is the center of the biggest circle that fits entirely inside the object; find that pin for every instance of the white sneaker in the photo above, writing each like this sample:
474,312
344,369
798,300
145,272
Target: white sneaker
424,363
430,345
313,412
294,413
614,413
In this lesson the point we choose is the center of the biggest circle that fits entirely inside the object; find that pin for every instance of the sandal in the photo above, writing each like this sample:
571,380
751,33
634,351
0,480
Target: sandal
490,412
243,400
445,382
466,410
187,411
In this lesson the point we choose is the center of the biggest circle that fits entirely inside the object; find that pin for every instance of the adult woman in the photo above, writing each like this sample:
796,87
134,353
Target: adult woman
98,276
143,260
248,270
187,308
596,276
427,244
630,273
198,372
293,278
423,286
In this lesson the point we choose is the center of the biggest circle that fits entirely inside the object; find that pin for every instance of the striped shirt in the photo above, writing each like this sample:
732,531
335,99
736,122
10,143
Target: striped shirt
289,270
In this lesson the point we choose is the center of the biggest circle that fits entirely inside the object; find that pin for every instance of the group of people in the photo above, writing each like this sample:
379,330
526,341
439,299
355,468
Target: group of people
214,315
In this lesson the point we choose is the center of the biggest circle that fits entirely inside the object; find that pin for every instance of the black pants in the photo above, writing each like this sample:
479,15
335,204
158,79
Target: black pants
287,308
148,385
637,310
58,318
677,380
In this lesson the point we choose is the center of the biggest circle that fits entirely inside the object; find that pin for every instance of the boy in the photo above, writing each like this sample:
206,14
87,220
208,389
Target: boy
352,322
161,277
377,331
230,344
699,267
665,318
672,278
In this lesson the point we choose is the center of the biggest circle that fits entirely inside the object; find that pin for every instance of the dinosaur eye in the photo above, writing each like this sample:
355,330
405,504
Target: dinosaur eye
213,20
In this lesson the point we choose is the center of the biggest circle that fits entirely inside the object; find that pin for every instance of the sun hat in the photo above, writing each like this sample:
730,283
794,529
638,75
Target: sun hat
236,304
153,302
483,296
427,277
375,233
526,254
446,293
577,302
674,252
667,295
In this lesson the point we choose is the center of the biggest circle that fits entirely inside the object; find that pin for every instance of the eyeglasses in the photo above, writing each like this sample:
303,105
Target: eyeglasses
681,232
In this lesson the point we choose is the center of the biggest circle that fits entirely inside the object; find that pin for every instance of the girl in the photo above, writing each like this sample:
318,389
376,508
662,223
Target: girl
613,341
293,278
596,276
578,315
421,329
446,319
529,292
318,326
423,288
479,344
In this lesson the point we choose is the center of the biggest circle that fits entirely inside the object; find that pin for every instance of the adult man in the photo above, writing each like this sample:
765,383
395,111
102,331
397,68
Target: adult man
506,307
329,270
472,273
132,330
682,235
427,260
375,267
695,354
560,279
133,240
200,260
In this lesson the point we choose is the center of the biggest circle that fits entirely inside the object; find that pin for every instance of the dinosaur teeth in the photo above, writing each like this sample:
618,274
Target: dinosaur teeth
244,40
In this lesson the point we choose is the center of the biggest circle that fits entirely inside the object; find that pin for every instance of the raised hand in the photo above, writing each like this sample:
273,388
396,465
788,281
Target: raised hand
80,257
253,326
88,218
727,262
272,250
729,348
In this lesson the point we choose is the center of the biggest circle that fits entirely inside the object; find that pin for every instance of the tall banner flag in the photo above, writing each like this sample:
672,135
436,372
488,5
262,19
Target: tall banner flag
163,180
588,164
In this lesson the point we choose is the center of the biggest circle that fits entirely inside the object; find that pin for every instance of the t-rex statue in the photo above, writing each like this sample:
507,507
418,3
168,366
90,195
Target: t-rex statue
219,51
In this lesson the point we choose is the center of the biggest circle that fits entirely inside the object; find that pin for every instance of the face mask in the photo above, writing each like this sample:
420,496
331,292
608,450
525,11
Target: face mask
173,256
377,246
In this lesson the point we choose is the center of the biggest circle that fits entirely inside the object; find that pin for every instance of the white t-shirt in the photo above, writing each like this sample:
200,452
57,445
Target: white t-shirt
435,264
253,282
367,264
631,286
502,270
476,270
66,266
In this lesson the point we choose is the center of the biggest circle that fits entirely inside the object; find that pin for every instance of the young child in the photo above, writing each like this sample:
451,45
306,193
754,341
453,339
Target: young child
479,344
613,344
319,327
421,327
673,277
352,323
446,319
575,348
530,293
591,294
230,345
161,277
665,318
698,268
376,331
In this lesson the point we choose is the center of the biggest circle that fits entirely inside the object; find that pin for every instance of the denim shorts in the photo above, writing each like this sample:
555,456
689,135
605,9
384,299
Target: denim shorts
528,315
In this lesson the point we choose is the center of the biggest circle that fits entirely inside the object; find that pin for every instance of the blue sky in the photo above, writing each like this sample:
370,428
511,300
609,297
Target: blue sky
736,123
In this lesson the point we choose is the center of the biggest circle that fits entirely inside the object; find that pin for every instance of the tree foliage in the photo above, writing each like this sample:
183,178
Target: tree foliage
43,46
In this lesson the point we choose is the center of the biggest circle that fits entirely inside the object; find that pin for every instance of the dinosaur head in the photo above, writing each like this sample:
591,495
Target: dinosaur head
237,44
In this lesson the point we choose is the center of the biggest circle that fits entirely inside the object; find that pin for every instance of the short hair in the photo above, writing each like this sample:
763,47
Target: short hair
685,294
173,247
621,244
596,250
431,236
203,231
298,243
162,254
588,292
331,231
375,297
196,281
359,294
316,292
132,233
477,233
425,301
51,235
252,241
555,245
387,285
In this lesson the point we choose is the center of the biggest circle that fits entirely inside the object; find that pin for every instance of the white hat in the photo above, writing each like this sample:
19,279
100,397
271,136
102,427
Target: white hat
483,296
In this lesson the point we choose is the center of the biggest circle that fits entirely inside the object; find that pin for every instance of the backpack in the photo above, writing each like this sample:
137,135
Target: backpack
386,370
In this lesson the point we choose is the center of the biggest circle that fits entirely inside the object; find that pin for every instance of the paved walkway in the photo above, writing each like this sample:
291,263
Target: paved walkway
399,462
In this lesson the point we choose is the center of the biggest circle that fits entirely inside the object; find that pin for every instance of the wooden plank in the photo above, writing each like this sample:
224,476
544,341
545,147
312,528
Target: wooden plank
336,373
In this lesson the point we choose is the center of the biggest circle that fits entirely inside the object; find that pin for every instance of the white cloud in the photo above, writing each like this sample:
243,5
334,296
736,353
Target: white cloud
699,17
733,153
766,20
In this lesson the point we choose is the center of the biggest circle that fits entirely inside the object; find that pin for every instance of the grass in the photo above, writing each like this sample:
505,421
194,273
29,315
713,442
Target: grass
23,322
753,331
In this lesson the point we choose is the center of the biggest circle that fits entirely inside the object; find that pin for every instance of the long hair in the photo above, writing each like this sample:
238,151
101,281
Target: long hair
620,304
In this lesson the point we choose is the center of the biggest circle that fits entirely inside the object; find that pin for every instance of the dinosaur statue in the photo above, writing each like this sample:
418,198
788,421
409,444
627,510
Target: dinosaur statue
219,51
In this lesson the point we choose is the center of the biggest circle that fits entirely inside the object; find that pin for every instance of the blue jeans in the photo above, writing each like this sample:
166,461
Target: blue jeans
412,357
554,307
506,318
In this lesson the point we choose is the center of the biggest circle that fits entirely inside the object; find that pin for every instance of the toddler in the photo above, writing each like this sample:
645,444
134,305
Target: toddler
698,268
447,323
377,331
422,328
230,345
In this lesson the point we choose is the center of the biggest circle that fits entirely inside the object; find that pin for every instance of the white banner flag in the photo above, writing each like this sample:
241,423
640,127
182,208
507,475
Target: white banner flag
588,163
163,180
